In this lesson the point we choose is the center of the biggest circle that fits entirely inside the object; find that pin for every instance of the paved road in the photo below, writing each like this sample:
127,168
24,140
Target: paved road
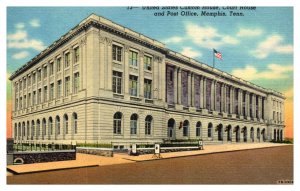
259,166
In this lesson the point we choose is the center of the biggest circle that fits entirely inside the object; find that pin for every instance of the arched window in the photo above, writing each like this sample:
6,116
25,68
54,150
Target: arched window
209,130
50,125
229,133
28,130
274,134
43,128
258,134
16,131
74,117
186,128
57,125
148,124
133,124
245,134
66,123
220,132
198,129
252,134
32,129
19,130
23,129
118,123
171,125
38,123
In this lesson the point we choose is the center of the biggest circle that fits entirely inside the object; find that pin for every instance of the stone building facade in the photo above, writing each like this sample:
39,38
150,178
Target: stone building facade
102,82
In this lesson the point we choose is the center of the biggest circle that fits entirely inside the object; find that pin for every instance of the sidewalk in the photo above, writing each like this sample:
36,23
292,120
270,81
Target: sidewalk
85,160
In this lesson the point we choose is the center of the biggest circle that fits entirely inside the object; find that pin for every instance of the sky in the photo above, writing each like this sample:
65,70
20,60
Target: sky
257,47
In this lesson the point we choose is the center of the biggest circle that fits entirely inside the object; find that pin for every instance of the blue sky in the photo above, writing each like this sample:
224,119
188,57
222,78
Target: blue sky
257,47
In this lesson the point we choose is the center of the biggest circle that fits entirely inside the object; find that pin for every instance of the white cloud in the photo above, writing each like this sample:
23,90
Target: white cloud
35,23
20,40
174,39
208,37
188,51
243,32
20,55
19,35
20,25
273,44
273,71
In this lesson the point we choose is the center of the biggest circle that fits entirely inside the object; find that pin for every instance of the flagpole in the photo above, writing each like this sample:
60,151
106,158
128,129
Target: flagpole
213,54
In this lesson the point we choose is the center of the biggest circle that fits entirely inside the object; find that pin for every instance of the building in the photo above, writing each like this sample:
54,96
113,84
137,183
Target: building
102,82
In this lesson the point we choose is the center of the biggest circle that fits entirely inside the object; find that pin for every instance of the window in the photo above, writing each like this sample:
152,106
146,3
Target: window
133,124
185,128
133,58
43,128
67,86
16,87
148,124
20,102
147,88
57,125
51,91
39,96
58,92
29,80
66,123
117,82
20,86
198,129
51,68
67,60
45,72
24,104
117,123
34,98
33,78
209,132
147,63
39,75
50,123
29,100
45,93
58,64
24,86
75,122
76,56
117,53
76,82
133,85
17,104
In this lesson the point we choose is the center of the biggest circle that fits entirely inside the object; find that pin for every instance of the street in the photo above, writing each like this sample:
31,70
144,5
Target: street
258,166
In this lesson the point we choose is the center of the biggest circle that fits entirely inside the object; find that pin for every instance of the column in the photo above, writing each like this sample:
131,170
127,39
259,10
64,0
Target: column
247,105
179,86
109,64
156,78
253,106
162,81
175,73
204,92
189,88
126,71
224,93
102,61
231,99
192,90
259,107
71,70
141,75
213,94
201,92
240,102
